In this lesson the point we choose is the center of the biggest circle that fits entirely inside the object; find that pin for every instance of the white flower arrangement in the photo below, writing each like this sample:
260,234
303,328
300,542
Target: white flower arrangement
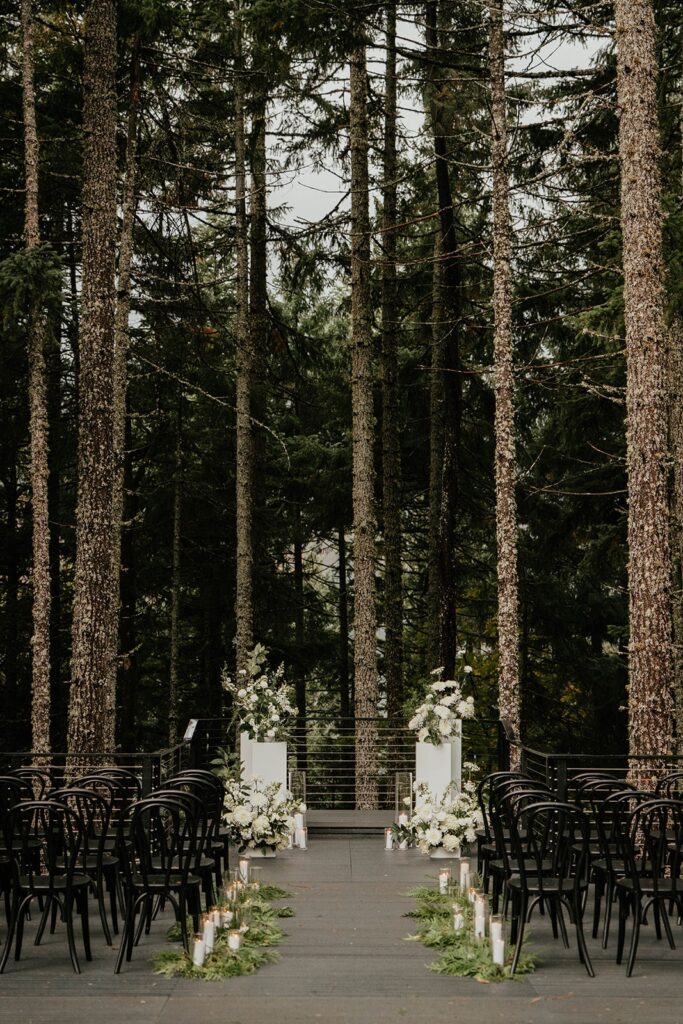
261,699
449,822
259,816
435,720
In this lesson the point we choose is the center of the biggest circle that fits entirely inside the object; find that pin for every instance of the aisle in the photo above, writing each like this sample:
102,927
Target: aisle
344,961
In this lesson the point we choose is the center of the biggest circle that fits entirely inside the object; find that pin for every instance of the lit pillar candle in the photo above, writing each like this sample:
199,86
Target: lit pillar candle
298,821
458,919
244,864
226,918
216,918
290,841
403,818
234,940
464,873
479,917
198,951
302,838
209,933
498,952
444,879
496,927
388,839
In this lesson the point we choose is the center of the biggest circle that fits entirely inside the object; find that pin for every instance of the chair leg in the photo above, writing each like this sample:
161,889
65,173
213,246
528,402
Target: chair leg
623,913
599,891
69,913
563,927
553,917
43,920
520,932
21,918
609,903
581,939
127,928
111,885
656,913
637,919
667,928
99,890
11,926
85,924
495,894
183,921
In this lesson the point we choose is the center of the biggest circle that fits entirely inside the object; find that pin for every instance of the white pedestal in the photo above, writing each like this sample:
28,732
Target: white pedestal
439,766
269,762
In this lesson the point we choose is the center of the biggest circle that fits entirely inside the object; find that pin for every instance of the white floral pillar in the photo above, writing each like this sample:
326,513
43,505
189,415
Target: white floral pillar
437,766
269,762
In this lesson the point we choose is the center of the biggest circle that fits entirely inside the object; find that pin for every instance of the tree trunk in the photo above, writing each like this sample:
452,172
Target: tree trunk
506,461
92,707
344,687
650,644
676,455
365,625
121,342
130,672
38,419
244,612
452,383
299,638
173,703
436,397
391,446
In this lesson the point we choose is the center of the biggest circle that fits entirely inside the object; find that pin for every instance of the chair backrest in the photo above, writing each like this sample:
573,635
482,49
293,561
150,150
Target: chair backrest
13,790
484,789
40,779
670,786
655,831
577,782
612,815
131,782
504,814
95,813
58,830
159,834
551,841
212,794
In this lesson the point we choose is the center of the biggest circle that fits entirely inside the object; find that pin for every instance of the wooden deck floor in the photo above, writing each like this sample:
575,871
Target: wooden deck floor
345,961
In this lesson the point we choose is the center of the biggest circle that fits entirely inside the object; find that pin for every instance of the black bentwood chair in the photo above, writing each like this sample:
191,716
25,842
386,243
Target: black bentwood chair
652,869
59,877
159,837
551,867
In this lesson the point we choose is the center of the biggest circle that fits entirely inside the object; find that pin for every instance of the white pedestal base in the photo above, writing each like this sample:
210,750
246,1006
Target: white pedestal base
439,766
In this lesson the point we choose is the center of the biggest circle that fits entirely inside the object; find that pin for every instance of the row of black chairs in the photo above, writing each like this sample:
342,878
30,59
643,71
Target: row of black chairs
98,835
536,851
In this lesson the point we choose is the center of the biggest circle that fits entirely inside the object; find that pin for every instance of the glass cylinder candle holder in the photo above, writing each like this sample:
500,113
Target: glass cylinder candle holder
479,916
464,874
299,822
388,839
403,845
498,952
209,933
256,878
234,939
226,918
302,838
444,880
403,818
198,951
244,865
496,928
216,917
458,919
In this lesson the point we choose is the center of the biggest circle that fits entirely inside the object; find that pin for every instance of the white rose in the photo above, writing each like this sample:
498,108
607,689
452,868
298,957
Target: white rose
275,717
263,684
259,800
241,692
302,808
467,668
441,712
270,733
451,843
422,735
445,728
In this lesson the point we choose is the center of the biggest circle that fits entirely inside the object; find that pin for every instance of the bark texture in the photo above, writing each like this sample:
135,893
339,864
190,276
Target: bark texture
38,416
344,681
675,368
121,343
650,644
173,688
452,381
244,611
506,461
92,709
391,445
364,524
435,454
